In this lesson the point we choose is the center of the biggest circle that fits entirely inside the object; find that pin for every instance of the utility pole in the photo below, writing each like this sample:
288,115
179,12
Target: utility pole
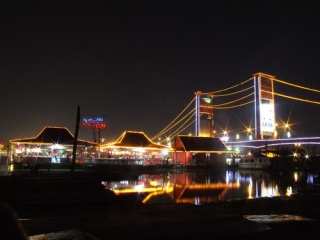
74,155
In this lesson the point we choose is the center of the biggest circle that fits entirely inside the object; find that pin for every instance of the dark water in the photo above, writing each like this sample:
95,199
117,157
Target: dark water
200,186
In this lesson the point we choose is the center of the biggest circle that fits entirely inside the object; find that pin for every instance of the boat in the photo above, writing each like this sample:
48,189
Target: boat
252,160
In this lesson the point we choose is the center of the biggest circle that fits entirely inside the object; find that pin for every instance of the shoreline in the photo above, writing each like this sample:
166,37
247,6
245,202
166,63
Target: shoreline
101,213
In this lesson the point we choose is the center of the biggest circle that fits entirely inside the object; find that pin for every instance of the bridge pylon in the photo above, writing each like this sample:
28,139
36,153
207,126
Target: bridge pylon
204,114
264,106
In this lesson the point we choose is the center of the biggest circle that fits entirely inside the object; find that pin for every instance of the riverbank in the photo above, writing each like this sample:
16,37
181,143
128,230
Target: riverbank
46,207
128,218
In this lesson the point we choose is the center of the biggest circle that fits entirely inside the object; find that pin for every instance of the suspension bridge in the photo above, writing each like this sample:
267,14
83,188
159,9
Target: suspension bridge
248,114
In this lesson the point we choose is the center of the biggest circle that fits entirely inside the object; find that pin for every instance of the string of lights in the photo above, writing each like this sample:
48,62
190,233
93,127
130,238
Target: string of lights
229,94
179,130
191,112
236,106
293,98
169,126
237,100
297,86
226,89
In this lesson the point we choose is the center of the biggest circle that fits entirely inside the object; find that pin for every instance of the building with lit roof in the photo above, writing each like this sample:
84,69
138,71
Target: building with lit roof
51,145
135,145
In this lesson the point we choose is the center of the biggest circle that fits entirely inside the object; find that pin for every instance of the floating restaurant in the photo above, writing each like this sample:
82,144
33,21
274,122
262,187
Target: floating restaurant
190,150
51,145
55,145
135,146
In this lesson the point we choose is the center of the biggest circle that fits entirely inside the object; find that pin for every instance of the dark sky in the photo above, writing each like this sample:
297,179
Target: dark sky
140,62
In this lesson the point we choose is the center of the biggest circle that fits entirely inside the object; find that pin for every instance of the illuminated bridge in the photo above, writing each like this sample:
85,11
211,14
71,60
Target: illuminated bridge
250,115
258,144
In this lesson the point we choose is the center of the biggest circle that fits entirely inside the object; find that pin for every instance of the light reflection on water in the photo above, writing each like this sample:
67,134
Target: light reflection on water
198,187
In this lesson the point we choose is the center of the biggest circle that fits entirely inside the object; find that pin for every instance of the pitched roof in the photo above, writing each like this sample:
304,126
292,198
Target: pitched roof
53,135
199,144
132,139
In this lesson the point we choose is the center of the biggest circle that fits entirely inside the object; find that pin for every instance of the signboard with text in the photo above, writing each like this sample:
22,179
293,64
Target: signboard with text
267,113
94,122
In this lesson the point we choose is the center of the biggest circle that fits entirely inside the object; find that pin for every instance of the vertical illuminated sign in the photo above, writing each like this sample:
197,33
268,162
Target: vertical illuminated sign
267,120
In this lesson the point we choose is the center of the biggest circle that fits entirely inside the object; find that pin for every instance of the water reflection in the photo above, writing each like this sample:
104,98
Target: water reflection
198,187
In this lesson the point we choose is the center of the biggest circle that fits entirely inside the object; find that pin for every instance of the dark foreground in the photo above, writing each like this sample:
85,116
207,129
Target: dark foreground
50,205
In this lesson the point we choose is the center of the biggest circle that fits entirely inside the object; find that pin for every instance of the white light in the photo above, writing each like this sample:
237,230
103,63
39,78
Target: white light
57,146
225,138
165,152
36,150
139,150
138,187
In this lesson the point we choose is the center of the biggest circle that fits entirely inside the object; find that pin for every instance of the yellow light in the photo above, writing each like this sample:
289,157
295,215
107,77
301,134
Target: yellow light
139,150
36,150
139,187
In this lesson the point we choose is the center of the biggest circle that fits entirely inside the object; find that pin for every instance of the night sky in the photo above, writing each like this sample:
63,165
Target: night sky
140,62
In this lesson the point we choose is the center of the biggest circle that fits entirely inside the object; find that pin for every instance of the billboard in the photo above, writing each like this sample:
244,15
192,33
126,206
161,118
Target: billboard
94,122
267,118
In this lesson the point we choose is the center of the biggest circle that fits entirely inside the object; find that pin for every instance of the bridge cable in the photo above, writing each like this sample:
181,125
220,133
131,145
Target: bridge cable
239,99
228,94
165,129
191,112
294,98
222,90
295,85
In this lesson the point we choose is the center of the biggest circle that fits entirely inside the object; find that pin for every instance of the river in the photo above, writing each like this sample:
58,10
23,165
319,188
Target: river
199,186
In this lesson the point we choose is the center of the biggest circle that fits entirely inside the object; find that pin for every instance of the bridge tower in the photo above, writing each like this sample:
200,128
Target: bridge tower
265,124
204,114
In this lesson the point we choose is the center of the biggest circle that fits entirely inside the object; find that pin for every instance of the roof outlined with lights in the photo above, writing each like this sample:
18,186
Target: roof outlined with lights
53,135
133,139
199,144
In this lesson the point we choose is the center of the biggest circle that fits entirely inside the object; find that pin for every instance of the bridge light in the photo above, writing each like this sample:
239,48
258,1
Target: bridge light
288,134
250,137
225,138
237,136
